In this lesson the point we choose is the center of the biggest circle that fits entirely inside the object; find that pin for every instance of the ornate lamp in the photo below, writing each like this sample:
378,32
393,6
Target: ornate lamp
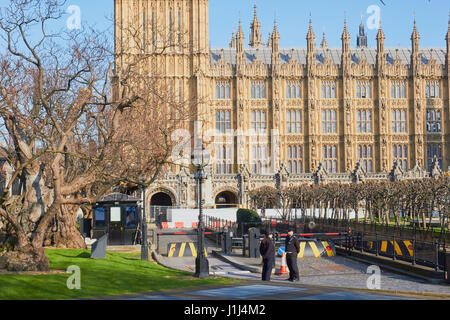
200,159
144,244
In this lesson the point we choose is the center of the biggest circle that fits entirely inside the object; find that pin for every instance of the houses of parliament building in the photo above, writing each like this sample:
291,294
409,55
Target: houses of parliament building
295,115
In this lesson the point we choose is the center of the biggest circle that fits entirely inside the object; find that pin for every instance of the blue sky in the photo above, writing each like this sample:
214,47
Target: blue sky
293,15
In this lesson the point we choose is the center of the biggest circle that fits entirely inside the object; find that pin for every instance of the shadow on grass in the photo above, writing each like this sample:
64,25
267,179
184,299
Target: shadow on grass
118,274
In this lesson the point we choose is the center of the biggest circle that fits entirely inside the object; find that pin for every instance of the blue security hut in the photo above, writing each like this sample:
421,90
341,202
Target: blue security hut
117,215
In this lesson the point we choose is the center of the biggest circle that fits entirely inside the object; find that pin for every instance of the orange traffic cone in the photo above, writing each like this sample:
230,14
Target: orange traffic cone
283,268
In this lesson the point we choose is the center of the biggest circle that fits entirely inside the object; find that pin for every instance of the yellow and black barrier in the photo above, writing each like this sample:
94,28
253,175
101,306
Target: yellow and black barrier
402,248
182,249
316,249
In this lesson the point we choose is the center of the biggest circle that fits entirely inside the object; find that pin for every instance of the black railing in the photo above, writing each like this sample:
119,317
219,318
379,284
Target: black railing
402,230
414,246
426,253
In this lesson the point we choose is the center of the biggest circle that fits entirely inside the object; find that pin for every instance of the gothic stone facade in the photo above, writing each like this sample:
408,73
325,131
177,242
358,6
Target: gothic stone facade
315,114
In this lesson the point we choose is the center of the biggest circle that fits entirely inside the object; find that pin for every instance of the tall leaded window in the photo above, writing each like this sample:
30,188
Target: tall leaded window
330,158
363,90
364,121
153,30
398,121
432,89
223,159
259,121
223,90
400,152
329,121
328,89
293,89
365,155
295,159
223,121
170,30
144,32
398,90
293,121
433,121
179,30
258,90
434,150
259,159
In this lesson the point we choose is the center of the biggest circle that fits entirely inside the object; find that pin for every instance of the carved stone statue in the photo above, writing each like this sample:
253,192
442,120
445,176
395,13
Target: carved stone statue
276,87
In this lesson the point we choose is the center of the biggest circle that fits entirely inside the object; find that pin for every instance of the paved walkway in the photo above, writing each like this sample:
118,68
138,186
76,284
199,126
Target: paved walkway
258,290
320,278
336,272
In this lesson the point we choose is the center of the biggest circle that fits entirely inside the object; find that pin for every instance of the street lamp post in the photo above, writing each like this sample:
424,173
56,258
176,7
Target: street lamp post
144,244
200,159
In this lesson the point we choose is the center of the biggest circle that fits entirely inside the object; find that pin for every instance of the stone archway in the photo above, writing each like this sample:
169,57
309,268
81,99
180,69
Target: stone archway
226,199
161,197
160,200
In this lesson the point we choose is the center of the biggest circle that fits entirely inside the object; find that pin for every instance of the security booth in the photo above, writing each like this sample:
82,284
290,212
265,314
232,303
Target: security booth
117,215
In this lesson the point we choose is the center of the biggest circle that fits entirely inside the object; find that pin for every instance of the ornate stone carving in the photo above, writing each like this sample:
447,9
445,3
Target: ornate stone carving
435,171
358,174
348,148
416,173
397,172
321,173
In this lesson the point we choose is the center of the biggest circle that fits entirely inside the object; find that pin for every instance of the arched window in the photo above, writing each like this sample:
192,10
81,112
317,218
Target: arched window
295,159
400,152
258,90
330,158
329,121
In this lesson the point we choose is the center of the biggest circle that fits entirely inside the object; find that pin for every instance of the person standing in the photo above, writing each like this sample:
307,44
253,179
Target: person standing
292,250
267,251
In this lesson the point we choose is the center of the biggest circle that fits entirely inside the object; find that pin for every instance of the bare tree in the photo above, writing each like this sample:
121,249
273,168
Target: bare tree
68,138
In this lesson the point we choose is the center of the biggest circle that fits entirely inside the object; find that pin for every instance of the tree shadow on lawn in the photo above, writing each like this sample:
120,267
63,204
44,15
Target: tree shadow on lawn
118,274
121,263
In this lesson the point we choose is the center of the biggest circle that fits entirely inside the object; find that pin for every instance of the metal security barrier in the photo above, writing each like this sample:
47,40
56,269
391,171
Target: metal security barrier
425,253
183,249
311,244
316,249
160,234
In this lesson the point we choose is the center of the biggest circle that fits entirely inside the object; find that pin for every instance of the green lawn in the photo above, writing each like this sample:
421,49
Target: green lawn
119,273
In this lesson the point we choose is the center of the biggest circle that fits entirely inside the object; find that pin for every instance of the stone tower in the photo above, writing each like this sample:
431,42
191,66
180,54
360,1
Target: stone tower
255,37
361,41
179,26
173,36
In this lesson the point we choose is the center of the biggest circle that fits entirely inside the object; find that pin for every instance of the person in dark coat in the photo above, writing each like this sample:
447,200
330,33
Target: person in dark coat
292,249
267,251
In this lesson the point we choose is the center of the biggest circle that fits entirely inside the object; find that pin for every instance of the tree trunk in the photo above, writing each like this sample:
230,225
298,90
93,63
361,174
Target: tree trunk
424,221
430,220
63,232
24,257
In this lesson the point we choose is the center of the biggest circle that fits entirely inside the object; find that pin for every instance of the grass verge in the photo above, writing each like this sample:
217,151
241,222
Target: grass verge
119,273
